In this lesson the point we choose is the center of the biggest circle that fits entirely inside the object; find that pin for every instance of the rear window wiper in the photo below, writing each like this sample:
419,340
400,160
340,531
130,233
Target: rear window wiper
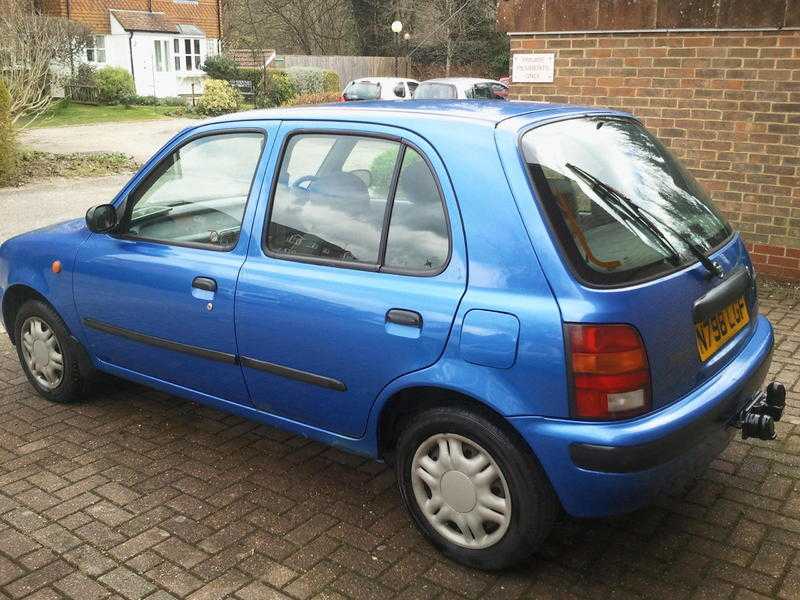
631,209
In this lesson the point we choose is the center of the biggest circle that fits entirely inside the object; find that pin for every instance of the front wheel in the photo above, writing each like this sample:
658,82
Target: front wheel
46,354
472,489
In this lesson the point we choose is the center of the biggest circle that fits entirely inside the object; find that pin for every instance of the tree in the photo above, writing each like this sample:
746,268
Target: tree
300,26
32,48
461,32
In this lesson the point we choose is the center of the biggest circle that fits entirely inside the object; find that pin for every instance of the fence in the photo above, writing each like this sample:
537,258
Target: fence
85,94
348,67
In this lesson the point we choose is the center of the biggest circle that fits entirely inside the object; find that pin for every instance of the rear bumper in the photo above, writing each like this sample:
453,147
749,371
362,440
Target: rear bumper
601,469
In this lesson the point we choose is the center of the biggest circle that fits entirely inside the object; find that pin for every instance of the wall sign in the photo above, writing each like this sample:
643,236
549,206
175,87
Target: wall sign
533,68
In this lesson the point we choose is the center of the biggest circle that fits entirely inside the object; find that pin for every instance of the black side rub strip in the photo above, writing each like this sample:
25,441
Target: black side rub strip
297,374
733,286
161,343
224,357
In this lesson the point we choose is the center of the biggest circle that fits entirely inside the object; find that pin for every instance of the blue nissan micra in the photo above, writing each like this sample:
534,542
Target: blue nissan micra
524,307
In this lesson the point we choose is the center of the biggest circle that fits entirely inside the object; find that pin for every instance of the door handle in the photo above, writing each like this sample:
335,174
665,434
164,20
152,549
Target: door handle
401,316
205,283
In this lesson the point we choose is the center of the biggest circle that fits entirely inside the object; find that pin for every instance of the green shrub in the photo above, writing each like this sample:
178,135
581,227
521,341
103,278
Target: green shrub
172,101
307,80
277,89
382,169
310,99
8,142
114,85
220,67
331,81
150,101
219,98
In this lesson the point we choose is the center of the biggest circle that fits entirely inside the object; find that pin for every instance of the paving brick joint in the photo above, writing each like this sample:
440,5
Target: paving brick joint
134,494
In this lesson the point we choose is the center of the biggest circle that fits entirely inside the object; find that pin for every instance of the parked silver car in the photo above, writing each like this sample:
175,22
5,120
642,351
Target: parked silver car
449,88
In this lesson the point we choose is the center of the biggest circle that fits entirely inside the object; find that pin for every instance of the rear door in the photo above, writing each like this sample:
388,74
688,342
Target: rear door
354,273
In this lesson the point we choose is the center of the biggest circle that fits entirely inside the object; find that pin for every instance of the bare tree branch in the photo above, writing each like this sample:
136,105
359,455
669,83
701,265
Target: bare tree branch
32,49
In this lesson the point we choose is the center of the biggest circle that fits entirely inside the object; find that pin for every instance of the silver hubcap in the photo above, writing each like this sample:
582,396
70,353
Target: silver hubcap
42,353
461,491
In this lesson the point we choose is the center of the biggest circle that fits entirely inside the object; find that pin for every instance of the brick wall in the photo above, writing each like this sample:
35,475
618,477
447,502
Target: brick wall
94,13
728,104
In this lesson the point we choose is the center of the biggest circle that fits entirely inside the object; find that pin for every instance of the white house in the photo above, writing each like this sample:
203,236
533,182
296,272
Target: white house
163,45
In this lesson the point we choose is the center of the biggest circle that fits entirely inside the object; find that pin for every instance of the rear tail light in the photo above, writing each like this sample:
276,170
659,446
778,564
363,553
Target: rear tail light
610,375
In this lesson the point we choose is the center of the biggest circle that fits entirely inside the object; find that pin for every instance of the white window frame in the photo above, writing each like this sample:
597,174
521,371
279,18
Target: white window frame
164,65
96,50
197,54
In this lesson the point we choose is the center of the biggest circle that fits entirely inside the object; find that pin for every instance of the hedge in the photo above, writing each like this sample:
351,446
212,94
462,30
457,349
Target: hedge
313,80
8,142
277,89
310,99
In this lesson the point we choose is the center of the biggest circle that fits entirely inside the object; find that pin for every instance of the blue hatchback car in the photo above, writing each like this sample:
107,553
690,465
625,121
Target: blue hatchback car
524,307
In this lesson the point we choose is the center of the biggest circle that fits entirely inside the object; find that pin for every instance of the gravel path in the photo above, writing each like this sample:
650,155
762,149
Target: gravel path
40,204
46,202
137,139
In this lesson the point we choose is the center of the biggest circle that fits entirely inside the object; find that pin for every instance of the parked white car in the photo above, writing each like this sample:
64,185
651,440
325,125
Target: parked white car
449,88
380,88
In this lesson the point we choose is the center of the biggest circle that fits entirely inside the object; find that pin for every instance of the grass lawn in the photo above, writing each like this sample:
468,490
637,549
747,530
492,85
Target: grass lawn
70,113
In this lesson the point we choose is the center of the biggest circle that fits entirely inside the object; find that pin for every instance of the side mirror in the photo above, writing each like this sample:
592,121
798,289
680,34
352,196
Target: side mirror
101,218
400,91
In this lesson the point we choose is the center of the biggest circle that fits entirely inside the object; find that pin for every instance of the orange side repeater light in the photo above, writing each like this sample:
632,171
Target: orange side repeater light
56,266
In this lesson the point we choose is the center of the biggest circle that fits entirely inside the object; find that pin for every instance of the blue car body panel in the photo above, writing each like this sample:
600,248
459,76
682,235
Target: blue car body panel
26,260
492,319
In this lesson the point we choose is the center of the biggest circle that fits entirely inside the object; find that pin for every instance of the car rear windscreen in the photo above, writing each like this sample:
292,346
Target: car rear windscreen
624,209
363,90
435,91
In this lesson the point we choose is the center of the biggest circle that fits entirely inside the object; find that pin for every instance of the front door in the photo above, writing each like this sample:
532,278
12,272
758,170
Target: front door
355,278
156,297
164,81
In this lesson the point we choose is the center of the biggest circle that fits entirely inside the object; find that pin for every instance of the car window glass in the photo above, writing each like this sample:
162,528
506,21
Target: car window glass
480,91
604,241
198,193
336,211
418,233
307,155
436,91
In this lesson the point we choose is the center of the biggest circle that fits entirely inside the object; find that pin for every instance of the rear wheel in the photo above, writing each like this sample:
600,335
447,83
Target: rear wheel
478,496
46,353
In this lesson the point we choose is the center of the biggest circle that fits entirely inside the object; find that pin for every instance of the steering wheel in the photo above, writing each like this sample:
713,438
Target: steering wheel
304,179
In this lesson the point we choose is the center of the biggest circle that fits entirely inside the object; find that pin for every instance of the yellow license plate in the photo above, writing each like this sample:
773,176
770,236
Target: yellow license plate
713,333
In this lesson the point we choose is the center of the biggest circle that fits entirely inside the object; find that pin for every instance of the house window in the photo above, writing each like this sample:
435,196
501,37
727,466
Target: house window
161,55
187,54
96,50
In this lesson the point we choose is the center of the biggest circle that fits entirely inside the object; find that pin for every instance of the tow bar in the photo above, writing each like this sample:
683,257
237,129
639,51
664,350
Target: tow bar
757,419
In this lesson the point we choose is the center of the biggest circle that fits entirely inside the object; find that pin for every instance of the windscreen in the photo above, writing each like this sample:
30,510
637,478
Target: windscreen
435,91
607,184
363,90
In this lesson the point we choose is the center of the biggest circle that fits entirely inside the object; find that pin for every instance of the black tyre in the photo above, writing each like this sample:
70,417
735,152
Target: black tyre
473,489
47,354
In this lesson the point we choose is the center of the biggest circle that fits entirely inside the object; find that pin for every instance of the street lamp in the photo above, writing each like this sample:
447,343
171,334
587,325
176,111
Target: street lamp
397,27
407,38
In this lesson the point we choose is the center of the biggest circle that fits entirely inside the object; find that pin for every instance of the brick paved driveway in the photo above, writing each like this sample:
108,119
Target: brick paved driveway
137,495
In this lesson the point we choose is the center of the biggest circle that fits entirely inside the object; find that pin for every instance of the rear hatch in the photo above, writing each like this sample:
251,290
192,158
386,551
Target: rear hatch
642,245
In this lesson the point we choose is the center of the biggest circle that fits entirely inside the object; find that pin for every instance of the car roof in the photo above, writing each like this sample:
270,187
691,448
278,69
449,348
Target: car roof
381,79
394,112
461,80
